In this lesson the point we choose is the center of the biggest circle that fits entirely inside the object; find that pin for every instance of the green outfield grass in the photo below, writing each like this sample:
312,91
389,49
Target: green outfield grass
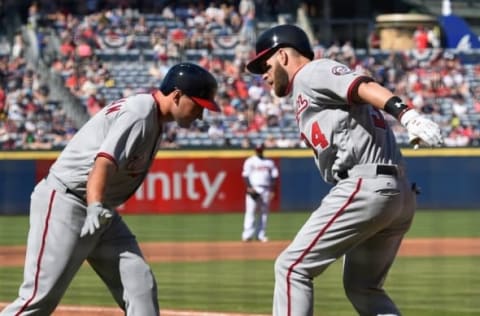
437,286
420,286
282,226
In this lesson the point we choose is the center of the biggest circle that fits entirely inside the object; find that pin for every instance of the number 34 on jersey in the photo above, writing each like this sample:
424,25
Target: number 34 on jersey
314,137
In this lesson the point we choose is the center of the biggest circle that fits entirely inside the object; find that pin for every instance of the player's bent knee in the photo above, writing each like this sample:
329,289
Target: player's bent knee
281,265
353,288
352,291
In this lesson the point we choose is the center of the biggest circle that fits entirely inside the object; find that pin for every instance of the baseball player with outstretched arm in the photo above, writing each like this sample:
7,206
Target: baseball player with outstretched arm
72,213
260,175
371,206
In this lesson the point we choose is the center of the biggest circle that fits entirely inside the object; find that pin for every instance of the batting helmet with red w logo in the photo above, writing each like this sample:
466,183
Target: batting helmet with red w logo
285,35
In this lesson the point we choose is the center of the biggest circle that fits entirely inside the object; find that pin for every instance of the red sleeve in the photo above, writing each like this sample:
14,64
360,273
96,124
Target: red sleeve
109,157
354,86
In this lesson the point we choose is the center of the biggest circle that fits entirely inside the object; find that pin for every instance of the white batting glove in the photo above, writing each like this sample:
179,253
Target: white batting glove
97,216
421,129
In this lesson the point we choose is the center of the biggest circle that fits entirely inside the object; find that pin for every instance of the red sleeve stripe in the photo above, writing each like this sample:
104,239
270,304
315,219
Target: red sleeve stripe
109,157
314,242
354,85
40,255
113,108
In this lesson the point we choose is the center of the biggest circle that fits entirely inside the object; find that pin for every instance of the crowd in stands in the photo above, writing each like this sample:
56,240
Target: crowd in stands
29,118
114,53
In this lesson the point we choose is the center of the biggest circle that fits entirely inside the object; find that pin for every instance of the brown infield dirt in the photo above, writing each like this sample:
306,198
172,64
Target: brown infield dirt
210,251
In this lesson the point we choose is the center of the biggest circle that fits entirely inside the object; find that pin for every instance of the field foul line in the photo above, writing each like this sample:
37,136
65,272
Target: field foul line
111,311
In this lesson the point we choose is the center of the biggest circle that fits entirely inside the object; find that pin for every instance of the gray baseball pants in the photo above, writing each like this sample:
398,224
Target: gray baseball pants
55,253
362,219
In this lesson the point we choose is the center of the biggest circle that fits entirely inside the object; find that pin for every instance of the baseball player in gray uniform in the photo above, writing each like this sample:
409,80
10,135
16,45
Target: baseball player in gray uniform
72,212
371,206
260,175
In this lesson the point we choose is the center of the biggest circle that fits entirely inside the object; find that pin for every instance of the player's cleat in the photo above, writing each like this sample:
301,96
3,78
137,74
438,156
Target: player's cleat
263,239
246,239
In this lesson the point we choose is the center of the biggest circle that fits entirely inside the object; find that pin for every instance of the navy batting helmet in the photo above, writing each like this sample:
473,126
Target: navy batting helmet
285,35
193,80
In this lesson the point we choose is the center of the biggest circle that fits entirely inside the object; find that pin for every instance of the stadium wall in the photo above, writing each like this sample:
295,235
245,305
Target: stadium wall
210,181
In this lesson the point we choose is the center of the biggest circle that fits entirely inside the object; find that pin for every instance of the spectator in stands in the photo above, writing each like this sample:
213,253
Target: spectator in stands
247,11
226,105
270,141
170,138
459,107
239,127
256,121
239,87
420,38
234,20
243,52
62,135
67,47
434,35
88,87
333,51
256,90
95,103
140,27
3,107
128,91
284,142
159,67
34,15
373,41
83,50
36,139
420,81
246,143
216,130
158,41
106,79
198,37
18,47
75,81
178,36
457,138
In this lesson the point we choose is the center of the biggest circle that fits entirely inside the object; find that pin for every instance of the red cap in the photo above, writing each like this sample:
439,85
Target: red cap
259,147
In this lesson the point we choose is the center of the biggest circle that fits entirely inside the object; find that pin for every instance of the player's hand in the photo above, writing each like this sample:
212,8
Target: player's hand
421,130
253,194
271,195
97,216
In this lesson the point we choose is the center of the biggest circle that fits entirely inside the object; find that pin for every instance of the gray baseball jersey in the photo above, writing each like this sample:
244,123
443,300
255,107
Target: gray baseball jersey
365,215
127,132
342,135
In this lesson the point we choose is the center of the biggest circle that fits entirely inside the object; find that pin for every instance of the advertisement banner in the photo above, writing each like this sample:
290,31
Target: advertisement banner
192,185
210,181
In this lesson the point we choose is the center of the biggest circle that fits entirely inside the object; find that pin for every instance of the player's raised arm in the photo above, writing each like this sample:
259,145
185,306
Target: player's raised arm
420,128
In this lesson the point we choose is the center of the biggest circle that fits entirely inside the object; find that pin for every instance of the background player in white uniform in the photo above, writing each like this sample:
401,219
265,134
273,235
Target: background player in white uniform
366,214
72,215
260,175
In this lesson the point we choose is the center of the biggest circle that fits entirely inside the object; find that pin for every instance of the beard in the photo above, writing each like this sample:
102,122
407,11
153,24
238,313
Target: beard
280,82
183,124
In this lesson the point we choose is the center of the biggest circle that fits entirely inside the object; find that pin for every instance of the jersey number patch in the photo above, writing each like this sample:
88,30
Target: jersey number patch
317,138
